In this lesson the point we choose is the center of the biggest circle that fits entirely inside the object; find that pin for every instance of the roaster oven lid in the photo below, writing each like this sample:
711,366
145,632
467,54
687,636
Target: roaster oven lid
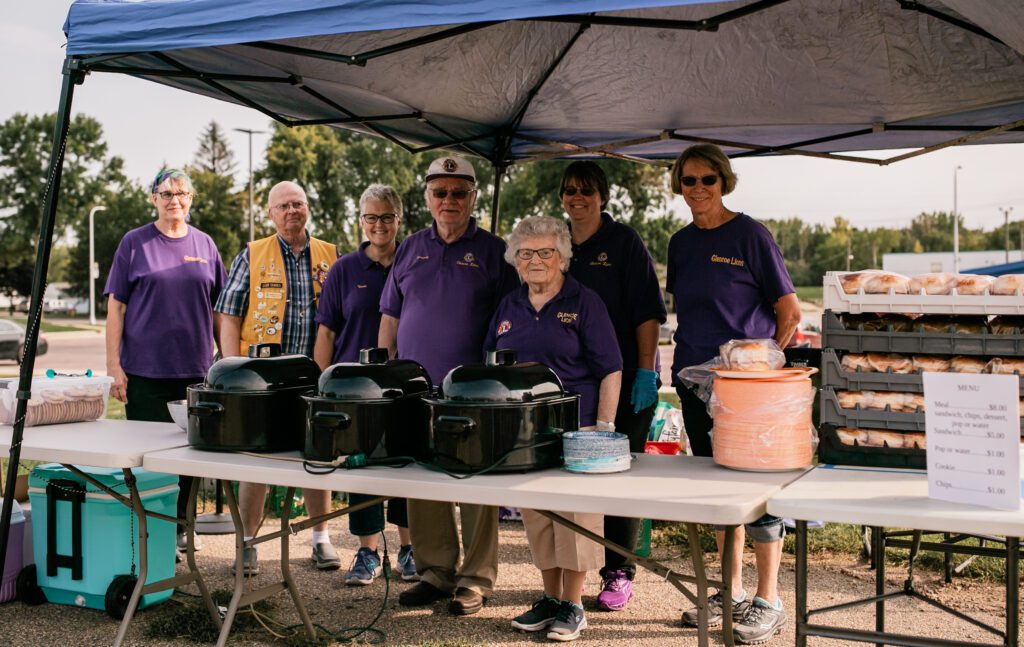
374,377
501,379
265,369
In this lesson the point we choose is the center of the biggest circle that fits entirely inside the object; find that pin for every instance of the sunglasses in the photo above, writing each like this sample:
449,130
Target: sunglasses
585,191
458,194
706,180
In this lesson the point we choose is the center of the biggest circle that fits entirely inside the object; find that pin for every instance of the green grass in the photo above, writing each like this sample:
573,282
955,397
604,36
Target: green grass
811,293
48,327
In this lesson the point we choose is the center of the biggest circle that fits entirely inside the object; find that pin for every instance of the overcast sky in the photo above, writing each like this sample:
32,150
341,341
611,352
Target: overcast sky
148,124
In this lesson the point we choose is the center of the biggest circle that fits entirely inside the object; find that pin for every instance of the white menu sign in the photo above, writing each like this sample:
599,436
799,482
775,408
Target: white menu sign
973,437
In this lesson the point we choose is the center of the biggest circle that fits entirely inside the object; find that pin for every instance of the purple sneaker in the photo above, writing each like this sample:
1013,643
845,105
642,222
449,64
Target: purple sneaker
616,590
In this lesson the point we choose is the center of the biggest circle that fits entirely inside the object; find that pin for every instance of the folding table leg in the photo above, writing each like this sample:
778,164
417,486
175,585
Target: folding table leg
801,583
1012,591
729,548
286,571
229,616
878,549
190,555
140,512
696,556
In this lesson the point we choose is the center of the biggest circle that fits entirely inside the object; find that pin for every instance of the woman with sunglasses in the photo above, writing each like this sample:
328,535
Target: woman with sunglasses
729,281
610,258
349,318
163,282
554,320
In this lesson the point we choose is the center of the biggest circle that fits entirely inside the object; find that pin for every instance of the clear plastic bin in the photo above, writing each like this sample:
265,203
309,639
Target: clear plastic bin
57,400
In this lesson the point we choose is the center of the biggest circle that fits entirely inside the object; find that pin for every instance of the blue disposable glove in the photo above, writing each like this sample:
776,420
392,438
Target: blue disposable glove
645,389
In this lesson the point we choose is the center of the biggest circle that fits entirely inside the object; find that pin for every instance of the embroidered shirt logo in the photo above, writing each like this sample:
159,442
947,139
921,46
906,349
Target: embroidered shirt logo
601,260
504,327
468,260
195,259
567,317
728,260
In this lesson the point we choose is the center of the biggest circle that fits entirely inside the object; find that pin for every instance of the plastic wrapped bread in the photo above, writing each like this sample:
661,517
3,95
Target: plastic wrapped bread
890,362
933,283
851,436
853,282
1005,366
972,283
1007,284
752,355
853,362
1007,325
932,363
967,364
887,283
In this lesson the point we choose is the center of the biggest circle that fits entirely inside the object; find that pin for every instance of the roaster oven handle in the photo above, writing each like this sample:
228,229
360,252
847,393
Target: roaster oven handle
331,420
206,409
454,424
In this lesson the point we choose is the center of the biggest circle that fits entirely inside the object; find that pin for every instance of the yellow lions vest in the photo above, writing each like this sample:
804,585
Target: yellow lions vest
268,289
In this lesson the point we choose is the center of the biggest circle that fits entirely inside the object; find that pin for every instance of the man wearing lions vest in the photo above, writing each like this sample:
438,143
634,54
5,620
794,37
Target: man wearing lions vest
271,297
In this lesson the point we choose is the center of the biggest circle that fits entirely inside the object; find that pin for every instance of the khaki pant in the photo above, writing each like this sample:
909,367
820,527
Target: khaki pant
555,546
435,539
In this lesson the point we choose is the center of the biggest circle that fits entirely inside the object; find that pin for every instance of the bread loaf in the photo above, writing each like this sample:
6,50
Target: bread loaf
972,283
853,362
1007,284
934,363
887,283
752,355
890,362
891,439
854,399
933,283
852,437
966,364
914,440
854,281
1006,325
1005,366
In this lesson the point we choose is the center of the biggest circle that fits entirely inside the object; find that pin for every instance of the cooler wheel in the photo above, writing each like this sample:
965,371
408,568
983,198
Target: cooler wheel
118,594
27,588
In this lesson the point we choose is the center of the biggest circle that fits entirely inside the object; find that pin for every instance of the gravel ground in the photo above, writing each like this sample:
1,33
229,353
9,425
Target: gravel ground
651,619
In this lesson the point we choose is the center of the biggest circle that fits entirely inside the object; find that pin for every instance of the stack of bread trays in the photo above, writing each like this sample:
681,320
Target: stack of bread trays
875,350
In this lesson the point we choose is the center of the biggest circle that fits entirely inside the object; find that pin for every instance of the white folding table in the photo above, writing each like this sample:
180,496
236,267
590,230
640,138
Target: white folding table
675,488
118,444
883,498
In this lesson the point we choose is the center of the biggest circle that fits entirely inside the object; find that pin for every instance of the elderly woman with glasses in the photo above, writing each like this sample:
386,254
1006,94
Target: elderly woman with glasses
163,282
729,282
554,320
349,318
610,258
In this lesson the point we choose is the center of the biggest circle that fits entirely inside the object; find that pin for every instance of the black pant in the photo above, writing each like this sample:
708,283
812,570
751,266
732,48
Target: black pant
625,531
147,400
696,420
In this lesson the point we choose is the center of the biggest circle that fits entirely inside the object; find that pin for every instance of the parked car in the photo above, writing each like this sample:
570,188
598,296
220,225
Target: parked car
12,341
665,332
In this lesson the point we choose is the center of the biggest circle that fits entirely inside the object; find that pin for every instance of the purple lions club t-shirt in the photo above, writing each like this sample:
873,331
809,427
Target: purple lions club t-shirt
615,264
572,335
725,282
350,303
444,295
169,286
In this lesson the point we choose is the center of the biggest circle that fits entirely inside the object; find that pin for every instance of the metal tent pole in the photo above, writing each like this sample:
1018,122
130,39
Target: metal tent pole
72,76
499,172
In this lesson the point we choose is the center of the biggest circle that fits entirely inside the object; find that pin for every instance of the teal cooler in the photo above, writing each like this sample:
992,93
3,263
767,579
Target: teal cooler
83,538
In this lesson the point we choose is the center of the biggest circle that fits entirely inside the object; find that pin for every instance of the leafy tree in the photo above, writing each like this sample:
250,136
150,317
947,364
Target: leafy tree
25,142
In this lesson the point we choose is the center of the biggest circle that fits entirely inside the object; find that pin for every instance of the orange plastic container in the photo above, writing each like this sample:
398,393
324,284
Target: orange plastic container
763,425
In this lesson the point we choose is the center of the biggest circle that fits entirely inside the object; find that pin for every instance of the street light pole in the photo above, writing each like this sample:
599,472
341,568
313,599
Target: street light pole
956,226
93,270
252,199
1006,218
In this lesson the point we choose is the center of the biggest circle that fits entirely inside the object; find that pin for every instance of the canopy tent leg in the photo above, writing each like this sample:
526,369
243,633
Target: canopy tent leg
72,76
499,173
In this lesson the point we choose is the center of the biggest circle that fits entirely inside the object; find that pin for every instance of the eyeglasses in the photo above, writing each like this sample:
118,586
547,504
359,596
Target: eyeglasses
285,206
584,191
544,253
384,218
167,196
458,194
706,180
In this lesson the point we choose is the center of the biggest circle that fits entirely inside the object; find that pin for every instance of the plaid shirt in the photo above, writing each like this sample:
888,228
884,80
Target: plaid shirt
298,331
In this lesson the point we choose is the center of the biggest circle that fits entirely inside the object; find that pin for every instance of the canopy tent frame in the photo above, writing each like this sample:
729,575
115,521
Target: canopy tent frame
77,66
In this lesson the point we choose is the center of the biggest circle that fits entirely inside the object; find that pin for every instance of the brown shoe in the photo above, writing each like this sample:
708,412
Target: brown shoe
422,594
466,602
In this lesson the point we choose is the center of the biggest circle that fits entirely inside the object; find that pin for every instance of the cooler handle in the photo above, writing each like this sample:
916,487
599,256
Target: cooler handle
74,493
454,424
331,420
206,409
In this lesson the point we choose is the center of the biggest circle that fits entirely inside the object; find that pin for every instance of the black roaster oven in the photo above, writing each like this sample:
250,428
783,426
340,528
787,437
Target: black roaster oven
252,403
373,407
485,411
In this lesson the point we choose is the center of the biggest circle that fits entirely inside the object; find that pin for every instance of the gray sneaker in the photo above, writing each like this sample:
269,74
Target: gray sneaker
540,616
325,558
760,624
739,609
250,562
569,623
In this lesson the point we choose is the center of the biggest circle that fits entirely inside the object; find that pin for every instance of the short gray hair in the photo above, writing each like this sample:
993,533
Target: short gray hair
383,193
540,226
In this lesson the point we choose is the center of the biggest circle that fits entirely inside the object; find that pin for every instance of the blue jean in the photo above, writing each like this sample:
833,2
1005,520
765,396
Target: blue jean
370,521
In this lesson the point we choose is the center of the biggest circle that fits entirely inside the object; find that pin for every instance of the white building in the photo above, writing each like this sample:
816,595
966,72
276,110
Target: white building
910,264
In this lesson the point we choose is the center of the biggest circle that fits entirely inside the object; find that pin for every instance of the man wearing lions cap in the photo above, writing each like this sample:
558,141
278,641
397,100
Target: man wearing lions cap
448,277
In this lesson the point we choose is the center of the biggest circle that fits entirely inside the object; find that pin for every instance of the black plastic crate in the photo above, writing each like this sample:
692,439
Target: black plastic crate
832,374
833,452
834,335
832,413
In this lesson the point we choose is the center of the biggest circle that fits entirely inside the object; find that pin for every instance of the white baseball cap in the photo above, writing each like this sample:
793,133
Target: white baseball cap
451,166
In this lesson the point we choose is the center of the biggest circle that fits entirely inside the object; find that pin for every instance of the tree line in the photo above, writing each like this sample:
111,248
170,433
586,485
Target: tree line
334,166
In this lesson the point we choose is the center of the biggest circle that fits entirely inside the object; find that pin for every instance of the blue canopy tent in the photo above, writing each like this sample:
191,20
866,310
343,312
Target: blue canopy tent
534,79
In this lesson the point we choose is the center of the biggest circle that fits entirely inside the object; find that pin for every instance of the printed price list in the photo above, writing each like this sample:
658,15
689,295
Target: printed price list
973,436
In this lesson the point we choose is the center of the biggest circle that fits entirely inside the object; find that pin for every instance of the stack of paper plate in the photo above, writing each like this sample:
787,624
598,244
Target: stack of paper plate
595,452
